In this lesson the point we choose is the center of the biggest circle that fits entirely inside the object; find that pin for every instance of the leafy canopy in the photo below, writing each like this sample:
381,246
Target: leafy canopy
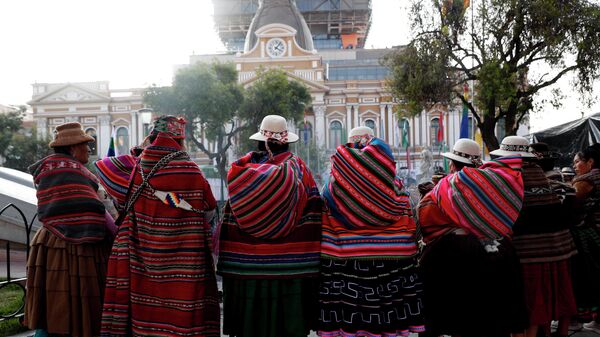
509,50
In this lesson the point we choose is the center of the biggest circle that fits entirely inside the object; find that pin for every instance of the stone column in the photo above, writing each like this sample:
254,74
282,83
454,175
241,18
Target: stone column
133,128
319,124
104,135
356,120
382,122
348,118
390,124
42,127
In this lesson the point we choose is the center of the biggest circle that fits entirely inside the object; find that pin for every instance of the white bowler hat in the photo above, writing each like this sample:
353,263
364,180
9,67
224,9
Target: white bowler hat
514,146
360,133
274,127
466,151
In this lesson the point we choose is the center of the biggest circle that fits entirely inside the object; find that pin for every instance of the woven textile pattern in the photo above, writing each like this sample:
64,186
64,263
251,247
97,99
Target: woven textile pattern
271,211
541,232
68,205
485,201
369,298
369,214
278,237
160,276
114,174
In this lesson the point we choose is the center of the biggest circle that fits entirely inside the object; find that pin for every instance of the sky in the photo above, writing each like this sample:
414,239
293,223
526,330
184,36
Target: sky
136,43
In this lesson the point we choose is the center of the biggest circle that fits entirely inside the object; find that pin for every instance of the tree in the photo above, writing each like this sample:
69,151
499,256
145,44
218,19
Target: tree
25,150
10,123
502,51
216,106
271,94
209,96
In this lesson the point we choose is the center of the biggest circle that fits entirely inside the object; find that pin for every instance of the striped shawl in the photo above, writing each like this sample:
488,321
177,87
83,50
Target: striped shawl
114,174
484,201
267,200
68,204
368,213
272,223
160,274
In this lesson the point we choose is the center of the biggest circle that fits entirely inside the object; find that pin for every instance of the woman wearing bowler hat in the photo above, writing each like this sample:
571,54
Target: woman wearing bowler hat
66,268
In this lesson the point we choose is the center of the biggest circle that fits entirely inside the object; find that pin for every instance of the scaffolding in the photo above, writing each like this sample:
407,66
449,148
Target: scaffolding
329,21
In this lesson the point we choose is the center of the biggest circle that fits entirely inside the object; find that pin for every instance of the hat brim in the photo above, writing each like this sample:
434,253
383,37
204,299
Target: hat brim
503,153
292,137
458,158
71,141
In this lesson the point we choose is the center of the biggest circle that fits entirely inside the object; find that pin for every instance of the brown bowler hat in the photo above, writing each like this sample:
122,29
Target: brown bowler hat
69,134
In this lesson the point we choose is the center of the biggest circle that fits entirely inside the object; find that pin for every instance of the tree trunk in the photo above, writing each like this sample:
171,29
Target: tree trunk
488,133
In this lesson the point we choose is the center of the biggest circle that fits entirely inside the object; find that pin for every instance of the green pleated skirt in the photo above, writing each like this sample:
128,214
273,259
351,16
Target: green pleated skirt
269,308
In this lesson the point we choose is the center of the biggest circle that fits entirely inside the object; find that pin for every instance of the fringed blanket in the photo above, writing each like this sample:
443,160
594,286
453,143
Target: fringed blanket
272,222
115,175
67,201
369,214
484,201
160,274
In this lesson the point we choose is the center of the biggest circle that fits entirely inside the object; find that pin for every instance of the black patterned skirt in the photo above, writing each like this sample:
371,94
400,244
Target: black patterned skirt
369,298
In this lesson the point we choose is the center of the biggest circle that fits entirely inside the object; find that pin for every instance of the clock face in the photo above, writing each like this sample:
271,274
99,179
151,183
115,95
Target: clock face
276,47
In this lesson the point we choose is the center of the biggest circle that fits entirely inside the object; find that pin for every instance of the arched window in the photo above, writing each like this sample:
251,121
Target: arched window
335,134
370,123
404,127
93,145
122,141
305,131
434,127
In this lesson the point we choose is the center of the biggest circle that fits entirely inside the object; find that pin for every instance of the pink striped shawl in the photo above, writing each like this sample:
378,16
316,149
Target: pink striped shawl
484,201
267,199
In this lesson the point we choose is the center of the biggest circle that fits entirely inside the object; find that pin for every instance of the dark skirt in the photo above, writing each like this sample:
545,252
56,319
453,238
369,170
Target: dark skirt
470,292
65,285
548,291
369,298
269,308
585,268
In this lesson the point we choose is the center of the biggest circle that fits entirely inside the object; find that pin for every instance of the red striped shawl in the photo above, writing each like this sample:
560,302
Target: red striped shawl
484,201
115,174
280,232
160,273
267,200
369,214
68,204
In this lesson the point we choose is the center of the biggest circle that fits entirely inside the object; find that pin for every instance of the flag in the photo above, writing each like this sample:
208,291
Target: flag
440,131
112,150
446,165
464,123
406,142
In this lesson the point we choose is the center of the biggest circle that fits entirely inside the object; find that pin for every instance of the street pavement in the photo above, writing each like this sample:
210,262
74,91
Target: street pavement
573,334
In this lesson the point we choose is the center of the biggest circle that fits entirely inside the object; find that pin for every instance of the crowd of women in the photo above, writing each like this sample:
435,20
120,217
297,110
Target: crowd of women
493,249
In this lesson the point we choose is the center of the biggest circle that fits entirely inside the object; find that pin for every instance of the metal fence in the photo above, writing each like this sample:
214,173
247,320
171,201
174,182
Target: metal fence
14,283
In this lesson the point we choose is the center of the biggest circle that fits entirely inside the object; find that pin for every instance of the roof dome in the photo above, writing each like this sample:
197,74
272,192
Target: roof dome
283,12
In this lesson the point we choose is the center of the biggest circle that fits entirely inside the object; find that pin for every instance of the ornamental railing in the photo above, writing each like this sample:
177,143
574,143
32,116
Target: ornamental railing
13,289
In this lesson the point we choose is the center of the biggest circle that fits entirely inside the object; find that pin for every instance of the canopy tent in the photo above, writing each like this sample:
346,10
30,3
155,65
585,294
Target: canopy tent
570,138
